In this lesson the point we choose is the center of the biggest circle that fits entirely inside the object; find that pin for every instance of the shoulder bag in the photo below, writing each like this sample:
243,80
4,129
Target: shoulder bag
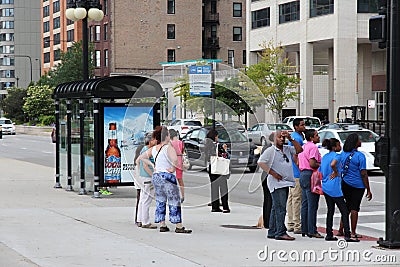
316,185
219,165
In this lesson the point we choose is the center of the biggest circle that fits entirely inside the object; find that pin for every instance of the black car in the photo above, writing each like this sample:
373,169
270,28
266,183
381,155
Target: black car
243,152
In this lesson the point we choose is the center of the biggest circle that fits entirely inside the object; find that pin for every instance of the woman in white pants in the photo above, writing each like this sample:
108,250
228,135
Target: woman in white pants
147,188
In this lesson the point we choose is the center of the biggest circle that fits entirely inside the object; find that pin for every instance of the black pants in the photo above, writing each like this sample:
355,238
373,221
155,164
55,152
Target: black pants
219,185
341,204
267,204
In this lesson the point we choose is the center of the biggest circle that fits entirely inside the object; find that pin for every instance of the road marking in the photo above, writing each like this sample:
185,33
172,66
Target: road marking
377,226
377,182
365,213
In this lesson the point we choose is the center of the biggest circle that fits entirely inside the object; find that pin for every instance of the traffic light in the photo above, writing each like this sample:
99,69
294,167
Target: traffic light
378,28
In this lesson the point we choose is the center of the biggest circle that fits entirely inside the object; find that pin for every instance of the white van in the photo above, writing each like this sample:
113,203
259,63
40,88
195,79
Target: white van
311,122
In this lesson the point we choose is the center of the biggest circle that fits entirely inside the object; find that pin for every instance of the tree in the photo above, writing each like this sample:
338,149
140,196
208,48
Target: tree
13,102
38,102
71,67
275,78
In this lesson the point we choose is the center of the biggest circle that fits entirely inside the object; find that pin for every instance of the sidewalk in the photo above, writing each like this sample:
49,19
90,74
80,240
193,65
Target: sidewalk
43,226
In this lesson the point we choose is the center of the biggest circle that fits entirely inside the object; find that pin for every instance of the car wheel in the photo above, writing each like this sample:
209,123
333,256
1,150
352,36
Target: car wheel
253,168
263,141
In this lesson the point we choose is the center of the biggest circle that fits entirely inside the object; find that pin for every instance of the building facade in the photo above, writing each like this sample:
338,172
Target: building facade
328,43
19,43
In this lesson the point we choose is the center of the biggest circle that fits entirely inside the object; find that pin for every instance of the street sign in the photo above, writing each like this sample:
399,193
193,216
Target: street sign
200,80
371,103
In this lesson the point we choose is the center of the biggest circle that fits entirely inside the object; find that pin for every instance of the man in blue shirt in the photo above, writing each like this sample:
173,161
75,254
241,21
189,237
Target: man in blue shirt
294,198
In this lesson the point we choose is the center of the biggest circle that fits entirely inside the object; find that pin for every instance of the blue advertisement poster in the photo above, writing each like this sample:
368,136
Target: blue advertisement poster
124,130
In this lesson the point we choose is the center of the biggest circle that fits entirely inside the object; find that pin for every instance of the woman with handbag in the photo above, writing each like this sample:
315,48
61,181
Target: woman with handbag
179,149
331,186
219,183
353,169
309,160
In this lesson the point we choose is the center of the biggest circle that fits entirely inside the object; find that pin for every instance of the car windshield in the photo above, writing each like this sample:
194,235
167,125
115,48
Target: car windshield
365,136
309,122
279,127
231,136
5,122
193,123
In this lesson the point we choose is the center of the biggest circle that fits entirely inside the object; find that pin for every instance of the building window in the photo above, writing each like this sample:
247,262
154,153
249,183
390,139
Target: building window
97,62
7,12
237,9
97,34
70,35
213,31
46,57
106,58
56,39
7,49
171,55
105,7
367,6
69,22
6,2
7,24
244,57
46,42
105,32
170,6
8,61
260,18
237,33
231,58
321,7
380,106
46,11
8,74
7,84
213,7
56,23
170,31
56,6
6,37
57,55
289,12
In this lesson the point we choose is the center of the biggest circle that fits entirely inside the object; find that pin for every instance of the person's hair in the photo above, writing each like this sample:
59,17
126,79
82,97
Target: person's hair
160,133
147,139
351,142
137,152
212,134
296,122
330,143
172,133
309,134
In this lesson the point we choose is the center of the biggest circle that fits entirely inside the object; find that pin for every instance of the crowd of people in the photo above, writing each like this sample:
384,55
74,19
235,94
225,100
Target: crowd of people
286,181
344,181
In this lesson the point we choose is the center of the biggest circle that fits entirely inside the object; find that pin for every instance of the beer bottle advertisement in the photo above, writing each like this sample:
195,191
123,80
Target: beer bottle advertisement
124,130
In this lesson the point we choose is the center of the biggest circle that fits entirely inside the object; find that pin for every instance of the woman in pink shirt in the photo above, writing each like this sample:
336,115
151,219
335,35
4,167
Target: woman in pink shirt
309,160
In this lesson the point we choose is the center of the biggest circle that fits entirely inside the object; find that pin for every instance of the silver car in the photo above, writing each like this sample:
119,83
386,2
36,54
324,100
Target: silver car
260,132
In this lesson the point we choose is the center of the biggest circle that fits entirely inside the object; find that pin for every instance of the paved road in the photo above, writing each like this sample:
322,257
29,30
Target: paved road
244,186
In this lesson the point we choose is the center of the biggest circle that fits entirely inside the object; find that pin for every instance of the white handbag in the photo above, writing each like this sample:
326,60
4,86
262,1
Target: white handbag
219,165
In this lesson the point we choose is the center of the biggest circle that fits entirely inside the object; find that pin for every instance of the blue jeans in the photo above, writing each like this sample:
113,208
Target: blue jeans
309,204
277,220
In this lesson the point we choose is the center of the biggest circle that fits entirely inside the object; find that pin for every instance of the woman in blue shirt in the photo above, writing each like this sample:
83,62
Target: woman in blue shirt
331,186
352,164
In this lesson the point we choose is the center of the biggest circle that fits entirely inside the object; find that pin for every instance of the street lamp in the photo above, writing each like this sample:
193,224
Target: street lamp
30,60
84,10
40,67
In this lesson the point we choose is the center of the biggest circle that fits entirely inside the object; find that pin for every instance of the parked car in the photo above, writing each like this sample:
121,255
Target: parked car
340,125
260,132
243,152
7,126
310,122
367,137
182,126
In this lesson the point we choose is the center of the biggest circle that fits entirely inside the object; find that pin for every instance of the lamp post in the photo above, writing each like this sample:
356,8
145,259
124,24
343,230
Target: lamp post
40,67
29,57
84,10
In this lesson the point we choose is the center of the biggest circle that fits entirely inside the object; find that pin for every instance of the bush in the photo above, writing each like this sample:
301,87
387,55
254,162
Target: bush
47,120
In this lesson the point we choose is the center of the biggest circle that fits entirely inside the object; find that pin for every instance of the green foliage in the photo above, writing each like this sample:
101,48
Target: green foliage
47,120
71,67
275,77
13,102
38,102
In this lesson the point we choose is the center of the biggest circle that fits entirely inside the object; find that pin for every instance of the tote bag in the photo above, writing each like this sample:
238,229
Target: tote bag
316,185
219,165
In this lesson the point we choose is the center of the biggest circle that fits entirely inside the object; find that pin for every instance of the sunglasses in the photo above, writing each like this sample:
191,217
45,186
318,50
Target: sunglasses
285,157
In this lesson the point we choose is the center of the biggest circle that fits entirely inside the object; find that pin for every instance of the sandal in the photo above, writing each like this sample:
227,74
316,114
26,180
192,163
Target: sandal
164,229
331,238
149,226
356,236
340,233
351,240
182,230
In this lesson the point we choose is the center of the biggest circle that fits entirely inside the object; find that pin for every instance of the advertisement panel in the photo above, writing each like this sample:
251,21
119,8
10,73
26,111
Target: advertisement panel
124,129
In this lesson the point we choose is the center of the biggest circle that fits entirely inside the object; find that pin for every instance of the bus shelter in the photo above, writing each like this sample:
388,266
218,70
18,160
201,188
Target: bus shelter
99,124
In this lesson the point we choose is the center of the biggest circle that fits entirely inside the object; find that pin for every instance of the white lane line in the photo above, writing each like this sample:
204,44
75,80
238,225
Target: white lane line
366,213
23,148
377,182
48,152
378,226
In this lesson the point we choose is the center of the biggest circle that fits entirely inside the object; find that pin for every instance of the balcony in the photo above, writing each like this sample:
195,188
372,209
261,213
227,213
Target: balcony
211,43
211,17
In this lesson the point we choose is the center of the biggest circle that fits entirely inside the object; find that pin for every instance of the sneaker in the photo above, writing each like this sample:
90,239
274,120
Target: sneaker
149,226
182,230
164,229
106,192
